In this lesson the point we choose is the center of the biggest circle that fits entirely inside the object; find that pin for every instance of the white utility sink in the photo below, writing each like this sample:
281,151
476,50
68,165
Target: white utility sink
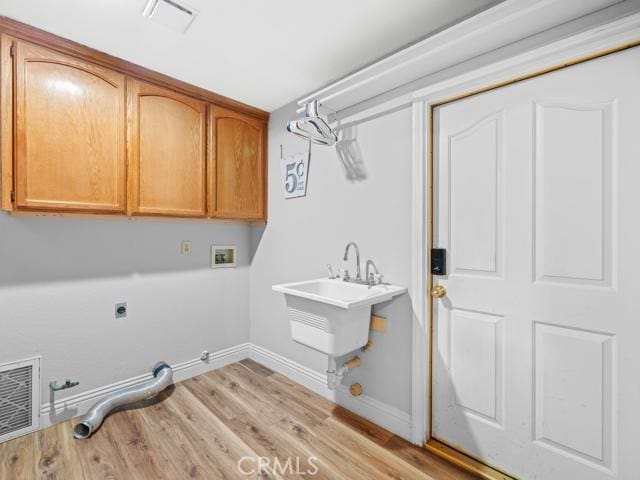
331,315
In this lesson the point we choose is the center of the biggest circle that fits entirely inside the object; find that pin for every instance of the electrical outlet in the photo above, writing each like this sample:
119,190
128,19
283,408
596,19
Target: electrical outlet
186,247
121,310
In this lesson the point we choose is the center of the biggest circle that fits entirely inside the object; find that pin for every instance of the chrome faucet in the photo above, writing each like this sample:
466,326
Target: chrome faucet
346,257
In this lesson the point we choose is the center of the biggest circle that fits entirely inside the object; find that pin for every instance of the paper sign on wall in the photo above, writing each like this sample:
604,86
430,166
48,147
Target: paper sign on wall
294,170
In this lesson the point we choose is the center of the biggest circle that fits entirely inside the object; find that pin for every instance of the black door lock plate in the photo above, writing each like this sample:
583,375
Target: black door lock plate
438,261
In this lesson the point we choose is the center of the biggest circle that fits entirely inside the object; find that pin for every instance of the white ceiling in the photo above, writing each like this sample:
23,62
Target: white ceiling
266,53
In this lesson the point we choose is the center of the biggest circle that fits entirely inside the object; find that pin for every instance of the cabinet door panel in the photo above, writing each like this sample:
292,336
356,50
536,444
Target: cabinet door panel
70,133
237,150
167,152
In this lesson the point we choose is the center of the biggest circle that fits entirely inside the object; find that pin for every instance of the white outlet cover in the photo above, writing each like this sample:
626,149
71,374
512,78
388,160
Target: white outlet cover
186,247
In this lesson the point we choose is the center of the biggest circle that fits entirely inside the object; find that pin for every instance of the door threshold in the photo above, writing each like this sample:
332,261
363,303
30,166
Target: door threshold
465,462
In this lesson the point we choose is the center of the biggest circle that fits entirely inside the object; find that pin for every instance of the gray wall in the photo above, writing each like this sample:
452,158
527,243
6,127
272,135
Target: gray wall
60,279
305,234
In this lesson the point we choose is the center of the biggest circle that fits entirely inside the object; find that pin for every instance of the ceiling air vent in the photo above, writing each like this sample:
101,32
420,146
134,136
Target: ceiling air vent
172,14
19,398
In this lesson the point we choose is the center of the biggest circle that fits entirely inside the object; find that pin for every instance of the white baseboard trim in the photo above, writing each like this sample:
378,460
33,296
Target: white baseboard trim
382,414
79,404
386,416
391,418
311,379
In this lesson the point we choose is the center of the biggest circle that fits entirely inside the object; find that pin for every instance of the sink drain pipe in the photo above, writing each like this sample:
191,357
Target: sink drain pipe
335,374
162,378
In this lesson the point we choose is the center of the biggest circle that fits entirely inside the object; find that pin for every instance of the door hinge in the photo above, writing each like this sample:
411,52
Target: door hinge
13,196
12,50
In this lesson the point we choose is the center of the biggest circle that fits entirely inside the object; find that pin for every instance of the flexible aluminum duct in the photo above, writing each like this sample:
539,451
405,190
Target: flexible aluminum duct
163,377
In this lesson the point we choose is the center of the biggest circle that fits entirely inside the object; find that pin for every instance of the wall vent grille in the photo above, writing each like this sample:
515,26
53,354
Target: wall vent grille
19,398
173,14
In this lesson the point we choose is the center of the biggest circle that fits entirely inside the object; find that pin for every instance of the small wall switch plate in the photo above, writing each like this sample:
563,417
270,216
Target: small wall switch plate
223,256
121,310
186,247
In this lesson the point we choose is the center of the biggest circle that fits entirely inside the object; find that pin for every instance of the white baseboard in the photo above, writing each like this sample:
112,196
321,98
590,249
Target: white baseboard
386,416
79,404
311,379
391,418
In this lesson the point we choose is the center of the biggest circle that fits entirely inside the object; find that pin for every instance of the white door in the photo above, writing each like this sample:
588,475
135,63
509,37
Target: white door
536,358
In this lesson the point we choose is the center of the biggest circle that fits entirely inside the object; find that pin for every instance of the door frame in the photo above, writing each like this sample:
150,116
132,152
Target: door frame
591,43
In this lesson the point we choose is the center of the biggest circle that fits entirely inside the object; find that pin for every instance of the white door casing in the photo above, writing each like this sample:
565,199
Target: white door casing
536,343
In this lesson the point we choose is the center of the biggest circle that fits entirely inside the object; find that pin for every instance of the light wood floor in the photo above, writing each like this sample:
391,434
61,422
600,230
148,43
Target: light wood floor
202,427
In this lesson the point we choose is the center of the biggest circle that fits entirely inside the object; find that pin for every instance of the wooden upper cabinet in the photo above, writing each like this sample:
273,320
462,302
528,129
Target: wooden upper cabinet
237,173
84,132
69,124
167,152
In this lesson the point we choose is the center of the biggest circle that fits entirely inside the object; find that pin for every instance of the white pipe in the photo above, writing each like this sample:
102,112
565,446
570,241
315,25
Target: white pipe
335,375
163,377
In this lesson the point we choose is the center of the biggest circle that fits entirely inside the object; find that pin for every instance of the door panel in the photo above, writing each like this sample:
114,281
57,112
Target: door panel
573,396
573,232
536,342
237,150
475,163
167,158
476,363
70,141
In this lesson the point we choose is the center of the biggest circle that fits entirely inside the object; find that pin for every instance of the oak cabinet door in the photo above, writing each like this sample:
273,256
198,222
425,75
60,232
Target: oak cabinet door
69,133
237,178
167,152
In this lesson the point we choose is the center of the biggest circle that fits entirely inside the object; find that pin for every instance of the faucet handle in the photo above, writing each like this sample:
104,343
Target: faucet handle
375,278
331,275
345,274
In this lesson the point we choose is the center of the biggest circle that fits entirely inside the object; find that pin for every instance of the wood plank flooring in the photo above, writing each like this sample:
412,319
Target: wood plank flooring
217,426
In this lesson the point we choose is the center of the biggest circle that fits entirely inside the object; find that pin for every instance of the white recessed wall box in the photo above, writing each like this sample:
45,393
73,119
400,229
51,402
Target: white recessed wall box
173,14
223,256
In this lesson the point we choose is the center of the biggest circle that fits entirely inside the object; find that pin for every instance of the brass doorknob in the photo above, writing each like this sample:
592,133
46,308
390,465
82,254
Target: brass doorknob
438,291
